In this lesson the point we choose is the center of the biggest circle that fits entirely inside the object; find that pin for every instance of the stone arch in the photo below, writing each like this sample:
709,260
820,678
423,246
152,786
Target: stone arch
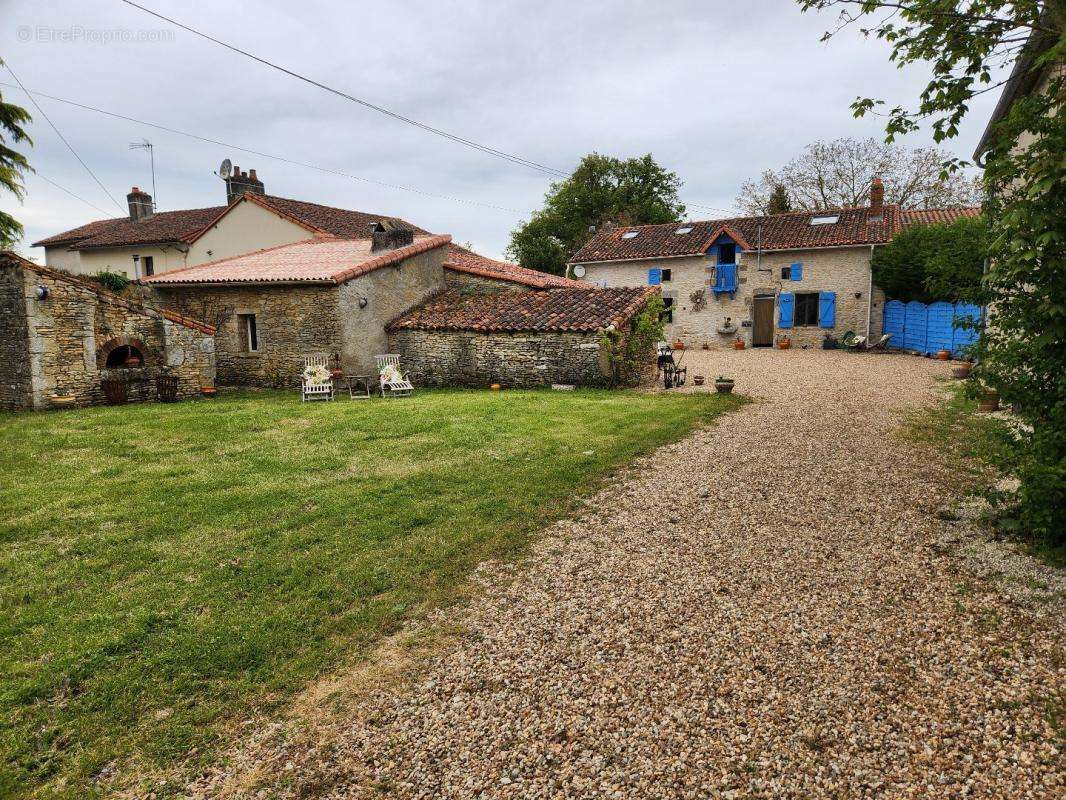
120,347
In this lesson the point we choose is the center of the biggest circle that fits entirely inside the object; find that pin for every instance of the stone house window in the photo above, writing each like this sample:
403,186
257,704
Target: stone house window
149,266
807,308
668,275
727,253
248,331
668,310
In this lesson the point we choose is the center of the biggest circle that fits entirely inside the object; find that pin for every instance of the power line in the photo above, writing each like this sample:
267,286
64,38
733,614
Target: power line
75,196
259,152
61,136
365,103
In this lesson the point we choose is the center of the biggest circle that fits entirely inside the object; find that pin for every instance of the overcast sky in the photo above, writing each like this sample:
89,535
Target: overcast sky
717,91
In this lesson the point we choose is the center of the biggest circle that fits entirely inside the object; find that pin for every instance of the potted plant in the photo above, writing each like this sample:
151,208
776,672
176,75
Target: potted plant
829,342
679,345
961,371
989,401
943,355
738,343
698,380
116,390
723,384
166,387
784,342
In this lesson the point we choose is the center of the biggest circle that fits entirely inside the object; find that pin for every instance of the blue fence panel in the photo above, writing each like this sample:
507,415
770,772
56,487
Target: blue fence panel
895,315
914,332
966,330
940,327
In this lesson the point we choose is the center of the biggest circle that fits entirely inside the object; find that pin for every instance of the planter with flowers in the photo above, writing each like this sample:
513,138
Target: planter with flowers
723,384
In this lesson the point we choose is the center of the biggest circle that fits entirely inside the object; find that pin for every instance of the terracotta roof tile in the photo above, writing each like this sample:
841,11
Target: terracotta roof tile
854,226
462,260
312,261
584,310
933,216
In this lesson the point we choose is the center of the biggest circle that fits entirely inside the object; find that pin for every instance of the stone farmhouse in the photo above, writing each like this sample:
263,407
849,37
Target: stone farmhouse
798,275
278,279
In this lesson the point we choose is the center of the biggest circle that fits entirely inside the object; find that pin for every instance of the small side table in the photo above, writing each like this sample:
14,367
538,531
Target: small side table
358,386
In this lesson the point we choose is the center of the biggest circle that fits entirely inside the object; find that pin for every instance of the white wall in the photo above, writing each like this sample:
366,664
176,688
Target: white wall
245,228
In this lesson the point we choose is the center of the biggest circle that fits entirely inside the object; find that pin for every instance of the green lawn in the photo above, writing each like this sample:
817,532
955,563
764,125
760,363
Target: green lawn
164,568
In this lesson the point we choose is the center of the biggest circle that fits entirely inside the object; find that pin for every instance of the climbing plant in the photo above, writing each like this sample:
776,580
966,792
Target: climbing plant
629,350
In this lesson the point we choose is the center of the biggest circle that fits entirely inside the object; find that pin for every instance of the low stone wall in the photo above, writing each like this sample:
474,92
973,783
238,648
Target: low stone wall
521,360
60,342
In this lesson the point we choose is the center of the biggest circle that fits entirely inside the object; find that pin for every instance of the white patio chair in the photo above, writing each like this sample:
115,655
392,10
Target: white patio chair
316,382
393,382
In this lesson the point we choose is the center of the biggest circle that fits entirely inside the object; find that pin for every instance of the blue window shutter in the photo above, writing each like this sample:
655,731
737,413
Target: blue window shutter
797,271
786,304
655,276
827,309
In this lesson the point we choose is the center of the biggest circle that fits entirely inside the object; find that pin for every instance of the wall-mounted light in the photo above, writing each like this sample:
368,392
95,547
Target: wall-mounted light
858,295
42,292
363,302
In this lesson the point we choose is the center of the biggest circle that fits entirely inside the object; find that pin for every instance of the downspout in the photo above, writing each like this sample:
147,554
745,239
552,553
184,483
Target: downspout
870,296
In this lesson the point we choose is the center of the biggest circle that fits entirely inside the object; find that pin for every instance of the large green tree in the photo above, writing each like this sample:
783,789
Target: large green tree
1021,350
13,165
934,262
634,191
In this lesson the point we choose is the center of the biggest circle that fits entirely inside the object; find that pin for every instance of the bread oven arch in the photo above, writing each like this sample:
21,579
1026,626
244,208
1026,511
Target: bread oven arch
117,352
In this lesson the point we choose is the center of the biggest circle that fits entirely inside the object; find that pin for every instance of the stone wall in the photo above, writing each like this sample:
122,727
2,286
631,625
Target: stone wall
67,335
15,385
292,321
521,360
845,271
466,282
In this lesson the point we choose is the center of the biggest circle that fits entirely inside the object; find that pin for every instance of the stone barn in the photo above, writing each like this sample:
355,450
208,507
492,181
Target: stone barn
61,336
515,337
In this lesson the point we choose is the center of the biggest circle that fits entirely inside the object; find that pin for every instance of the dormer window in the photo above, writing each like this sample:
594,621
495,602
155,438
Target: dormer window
630,234
683,230
825,219
727,253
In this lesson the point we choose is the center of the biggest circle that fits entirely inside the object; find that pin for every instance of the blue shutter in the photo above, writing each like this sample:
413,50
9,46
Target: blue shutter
655,276
827,309
797,271
786,304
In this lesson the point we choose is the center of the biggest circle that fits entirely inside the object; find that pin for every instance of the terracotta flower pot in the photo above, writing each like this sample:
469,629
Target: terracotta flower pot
943,355
724,387
679,345
738,344
961,372
784,344
698,380
208,391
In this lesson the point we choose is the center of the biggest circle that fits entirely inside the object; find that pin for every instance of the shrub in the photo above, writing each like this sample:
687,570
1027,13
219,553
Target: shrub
112,281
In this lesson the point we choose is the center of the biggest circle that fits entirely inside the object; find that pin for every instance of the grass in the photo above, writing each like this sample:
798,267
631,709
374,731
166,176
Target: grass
165,569
978,449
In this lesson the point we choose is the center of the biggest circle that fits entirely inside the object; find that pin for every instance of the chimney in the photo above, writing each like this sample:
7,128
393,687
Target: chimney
877,196
140,204
239,183
389,236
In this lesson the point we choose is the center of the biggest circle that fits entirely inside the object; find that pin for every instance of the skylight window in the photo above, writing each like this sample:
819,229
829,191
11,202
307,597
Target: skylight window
630,234
827,219
684,229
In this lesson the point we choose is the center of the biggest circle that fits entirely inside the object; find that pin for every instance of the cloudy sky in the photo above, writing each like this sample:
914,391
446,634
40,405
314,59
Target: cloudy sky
716,90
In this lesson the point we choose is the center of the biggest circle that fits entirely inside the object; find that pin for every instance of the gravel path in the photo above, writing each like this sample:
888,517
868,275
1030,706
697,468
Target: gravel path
757,611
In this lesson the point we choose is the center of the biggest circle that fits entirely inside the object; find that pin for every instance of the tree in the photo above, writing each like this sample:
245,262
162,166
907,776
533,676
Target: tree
13,165
636,191
1021,351
837,174
778,202
934,262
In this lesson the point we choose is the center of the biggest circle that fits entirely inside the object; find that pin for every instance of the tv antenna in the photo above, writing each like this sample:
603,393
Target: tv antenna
144,144
225,169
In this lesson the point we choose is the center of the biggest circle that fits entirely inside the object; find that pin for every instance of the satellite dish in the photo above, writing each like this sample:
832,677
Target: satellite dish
225,169
579,271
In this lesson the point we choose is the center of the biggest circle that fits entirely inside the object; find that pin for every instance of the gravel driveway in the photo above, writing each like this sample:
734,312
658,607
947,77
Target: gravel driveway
756,611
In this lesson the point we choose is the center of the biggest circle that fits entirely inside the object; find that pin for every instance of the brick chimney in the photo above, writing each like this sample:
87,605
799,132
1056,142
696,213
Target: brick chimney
877,196
389,236
239,183
140,204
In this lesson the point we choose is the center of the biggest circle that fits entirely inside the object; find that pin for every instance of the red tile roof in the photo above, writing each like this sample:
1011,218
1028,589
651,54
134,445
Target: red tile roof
584,310
111,297
935,216
189,225
312,261
462,260
792,231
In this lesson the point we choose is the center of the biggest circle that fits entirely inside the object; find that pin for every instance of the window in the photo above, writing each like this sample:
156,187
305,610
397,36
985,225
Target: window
630,234
786,273
668,310
683,230
807,308
249,332
727,253
668,275
149,266
793,272
827,219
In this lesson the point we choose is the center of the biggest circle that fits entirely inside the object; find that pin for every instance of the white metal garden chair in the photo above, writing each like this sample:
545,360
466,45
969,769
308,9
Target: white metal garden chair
393,382
316,382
